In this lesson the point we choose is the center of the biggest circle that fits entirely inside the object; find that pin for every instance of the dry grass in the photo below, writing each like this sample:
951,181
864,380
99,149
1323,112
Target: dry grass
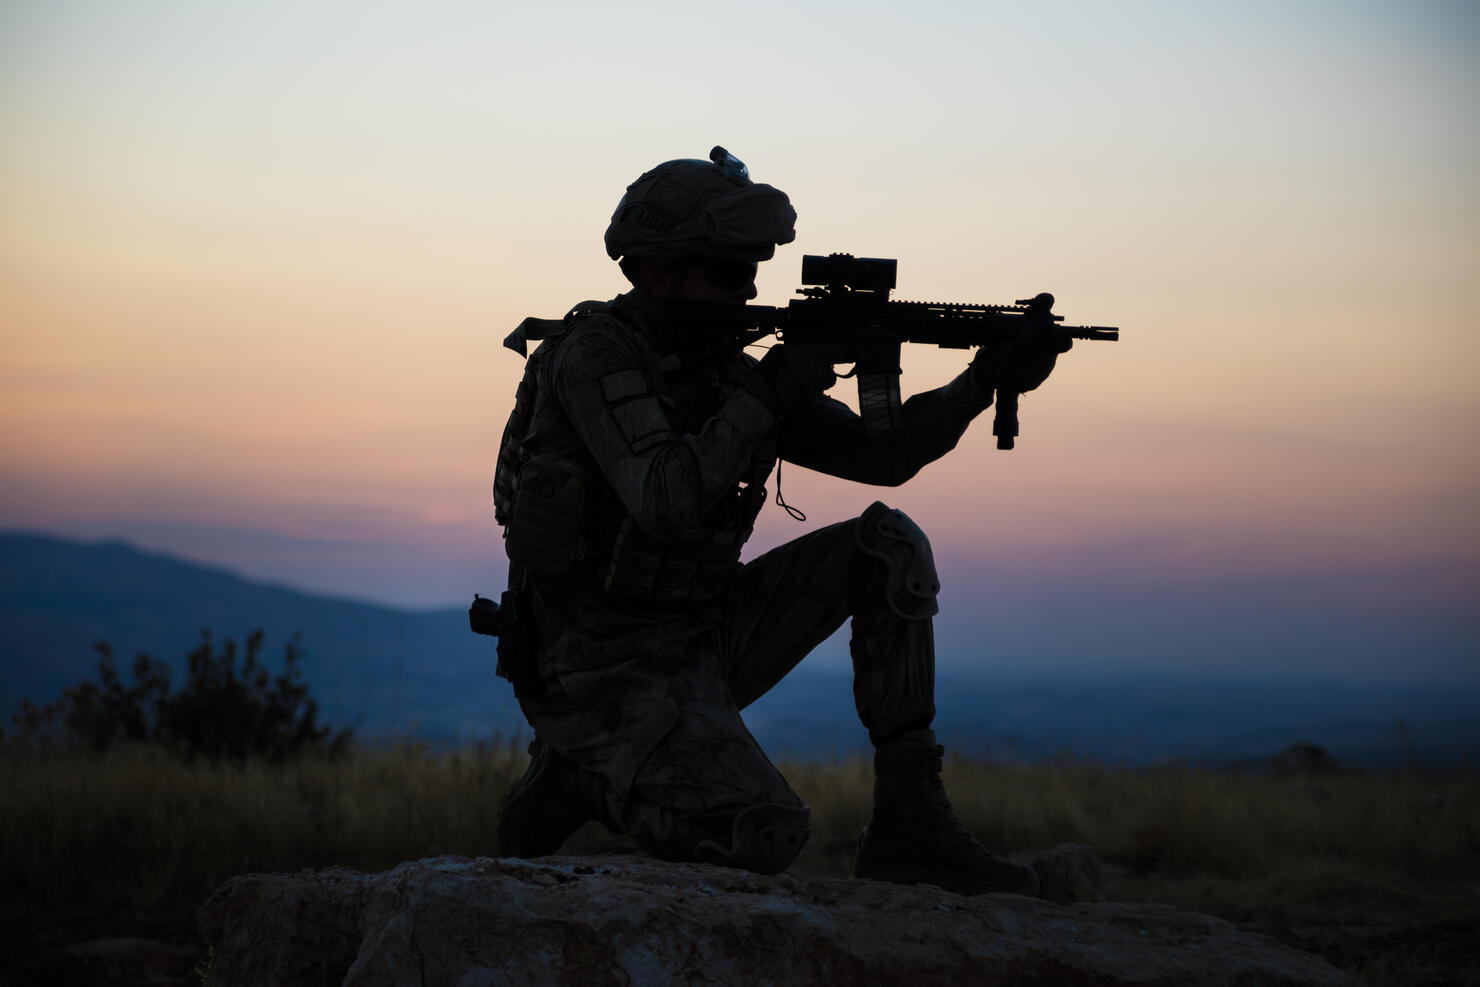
141,831
1394,856
1180,821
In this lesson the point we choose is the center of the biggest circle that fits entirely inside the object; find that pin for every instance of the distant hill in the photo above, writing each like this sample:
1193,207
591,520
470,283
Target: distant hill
386,670
381,668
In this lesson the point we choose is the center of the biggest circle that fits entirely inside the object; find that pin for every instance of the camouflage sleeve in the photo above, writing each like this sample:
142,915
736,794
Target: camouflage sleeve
830,437
666,479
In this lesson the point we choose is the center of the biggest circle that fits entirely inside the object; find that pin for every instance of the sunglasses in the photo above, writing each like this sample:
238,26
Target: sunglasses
730,275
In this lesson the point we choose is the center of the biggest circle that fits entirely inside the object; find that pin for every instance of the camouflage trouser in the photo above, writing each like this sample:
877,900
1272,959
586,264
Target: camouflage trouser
663,726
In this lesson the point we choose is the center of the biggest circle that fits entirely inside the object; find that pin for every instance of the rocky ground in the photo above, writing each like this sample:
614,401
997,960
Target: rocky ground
625,919
711,920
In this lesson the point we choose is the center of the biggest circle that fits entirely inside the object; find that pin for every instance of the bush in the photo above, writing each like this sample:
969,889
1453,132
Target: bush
224,711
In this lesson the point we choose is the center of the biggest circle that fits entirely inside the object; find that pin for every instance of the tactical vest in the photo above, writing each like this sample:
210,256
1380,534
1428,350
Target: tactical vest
559,519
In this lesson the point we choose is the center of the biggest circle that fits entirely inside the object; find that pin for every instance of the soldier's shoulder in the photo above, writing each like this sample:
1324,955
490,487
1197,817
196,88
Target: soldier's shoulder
597,322
598,339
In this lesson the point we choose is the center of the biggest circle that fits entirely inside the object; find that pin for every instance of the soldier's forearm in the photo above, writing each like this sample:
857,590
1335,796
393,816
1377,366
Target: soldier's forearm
832,439
667,480
681,481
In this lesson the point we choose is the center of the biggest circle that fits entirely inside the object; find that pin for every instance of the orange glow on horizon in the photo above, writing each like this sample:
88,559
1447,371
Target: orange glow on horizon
281,303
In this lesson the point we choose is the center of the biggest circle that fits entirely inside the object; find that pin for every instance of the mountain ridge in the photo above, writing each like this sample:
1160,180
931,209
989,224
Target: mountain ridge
377,667
390,671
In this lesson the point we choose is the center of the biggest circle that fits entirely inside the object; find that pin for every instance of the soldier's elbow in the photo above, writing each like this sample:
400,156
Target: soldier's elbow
897,470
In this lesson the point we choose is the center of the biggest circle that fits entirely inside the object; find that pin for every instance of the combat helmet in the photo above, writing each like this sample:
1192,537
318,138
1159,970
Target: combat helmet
692,208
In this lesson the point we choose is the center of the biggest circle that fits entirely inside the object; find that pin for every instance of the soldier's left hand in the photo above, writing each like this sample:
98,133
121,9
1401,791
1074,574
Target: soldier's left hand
1024,363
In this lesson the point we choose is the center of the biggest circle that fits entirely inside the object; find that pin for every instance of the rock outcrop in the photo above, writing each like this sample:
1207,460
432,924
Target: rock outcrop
635,920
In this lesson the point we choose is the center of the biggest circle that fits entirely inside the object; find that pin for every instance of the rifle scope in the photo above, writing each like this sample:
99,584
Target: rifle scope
845,270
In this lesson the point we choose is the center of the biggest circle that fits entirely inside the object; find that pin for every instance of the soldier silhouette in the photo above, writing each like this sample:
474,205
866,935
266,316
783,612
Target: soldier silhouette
629,478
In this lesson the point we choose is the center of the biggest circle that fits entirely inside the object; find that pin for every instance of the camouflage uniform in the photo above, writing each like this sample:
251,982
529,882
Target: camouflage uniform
655,637
629,479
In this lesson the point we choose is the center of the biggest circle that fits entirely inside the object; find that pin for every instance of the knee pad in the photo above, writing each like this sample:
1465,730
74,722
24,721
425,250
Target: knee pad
910,580
764,838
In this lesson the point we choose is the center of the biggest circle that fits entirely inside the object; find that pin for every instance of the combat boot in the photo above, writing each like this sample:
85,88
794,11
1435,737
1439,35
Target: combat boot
914,836
553,800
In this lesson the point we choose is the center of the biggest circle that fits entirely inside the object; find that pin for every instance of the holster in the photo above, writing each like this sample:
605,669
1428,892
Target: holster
518,648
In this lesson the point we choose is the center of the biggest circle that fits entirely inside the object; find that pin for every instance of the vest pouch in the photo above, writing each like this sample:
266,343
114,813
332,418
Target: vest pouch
544,533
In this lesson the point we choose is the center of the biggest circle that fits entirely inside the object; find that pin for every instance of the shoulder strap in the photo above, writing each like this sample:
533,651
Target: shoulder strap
539,329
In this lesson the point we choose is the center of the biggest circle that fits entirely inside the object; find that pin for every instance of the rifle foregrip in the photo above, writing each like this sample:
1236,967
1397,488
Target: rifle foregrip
1005,425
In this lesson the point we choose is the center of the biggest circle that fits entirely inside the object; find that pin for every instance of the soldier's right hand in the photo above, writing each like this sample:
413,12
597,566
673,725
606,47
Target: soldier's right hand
797,377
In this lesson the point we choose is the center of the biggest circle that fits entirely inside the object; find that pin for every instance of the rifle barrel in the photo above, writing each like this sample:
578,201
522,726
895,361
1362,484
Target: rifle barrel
1111,333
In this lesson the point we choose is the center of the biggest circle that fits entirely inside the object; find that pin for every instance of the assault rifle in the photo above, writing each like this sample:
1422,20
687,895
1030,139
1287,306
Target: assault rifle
845,309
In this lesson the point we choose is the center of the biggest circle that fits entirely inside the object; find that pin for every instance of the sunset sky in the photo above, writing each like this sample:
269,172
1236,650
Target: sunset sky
256,261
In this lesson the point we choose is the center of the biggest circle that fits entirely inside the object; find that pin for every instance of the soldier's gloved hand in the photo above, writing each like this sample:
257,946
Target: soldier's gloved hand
1023,363
797,377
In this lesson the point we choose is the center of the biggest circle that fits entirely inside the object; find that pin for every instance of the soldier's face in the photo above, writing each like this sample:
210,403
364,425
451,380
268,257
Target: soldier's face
725,282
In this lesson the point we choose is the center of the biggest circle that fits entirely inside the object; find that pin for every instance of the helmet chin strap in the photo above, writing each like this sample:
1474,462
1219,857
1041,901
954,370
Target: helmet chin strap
659,326
650,271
